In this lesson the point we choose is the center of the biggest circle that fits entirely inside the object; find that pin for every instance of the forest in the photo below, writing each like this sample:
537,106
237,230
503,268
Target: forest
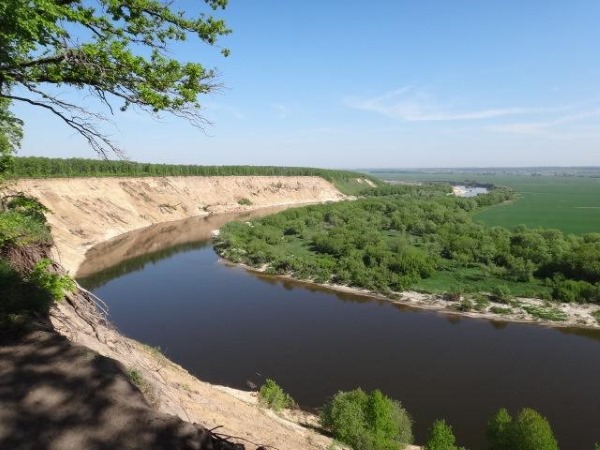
402,237
41,167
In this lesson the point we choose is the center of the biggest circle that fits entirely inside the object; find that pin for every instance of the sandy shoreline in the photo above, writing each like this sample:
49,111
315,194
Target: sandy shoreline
577,315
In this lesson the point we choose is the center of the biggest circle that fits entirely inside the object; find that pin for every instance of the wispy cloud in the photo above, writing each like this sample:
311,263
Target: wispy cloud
283,111
412,105
546,127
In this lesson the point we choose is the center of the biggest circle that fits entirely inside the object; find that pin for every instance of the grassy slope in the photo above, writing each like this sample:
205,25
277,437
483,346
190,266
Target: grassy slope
570,204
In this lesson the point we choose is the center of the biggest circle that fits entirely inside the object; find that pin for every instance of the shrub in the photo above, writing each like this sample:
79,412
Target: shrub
553,314
136,377
54,284
501,293
367,421
245,201
529,431
500,310
481,302
441,437
596,315
271,395
498,430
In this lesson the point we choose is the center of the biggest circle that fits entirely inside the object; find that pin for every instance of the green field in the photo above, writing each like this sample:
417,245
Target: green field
568,203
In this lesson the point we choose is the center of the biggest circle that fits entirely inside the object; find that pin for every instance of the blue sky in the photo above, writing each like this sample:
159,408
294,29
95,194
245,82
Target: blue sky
405,84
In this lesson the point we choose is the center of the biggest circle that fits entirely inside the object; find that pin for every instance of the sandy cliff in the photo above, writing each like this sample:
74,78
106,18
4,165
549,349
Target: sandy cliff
87,211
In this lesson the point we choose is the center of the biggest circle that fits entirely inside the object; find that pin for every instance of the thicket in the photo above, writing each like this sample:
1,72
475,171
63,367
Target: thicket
367,421
529,431
441,437
22,224
41,167
273,396
394,241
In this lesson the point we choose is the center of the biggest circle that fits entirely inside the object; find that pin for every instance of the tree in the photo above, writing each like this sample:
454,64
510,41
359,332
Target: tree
367,421
115,51
498,431
529,431
441,437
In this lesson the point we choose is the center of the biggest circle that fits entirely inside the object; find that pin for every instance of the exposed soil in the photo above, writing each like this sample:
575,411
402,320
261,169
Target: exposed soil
68,382
87,211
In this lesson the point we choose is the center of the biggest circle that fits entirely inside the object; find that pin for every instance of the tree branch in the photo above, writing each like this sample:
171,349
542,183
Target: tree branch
99,142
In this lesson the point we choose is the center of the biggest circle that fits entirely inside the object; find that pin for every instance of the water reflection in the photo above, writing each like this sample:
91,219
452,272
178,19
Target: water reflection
131,252
315,341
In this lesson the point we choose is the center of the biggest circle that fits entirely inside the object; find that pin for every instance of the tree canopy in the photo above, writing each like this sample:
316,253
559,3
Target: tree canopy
115,51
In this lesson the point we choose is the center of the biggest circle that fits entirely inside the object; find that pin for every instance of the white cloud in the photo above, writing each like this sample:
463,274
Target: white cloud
413,105
548,128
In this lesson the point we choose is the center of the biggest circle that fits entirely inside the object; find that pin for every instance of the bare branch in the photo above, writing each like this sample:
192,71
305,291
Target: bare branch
100,143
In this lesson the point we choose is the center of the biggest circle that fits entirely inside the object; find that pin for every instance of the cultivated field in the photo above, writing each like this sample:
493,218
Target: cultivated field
570,203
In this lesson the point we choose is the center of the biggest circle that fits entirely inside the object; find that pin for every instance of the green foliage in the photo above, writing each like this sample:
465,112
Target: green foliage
40,167
401,236
136,378
367,421
54,284
553,314
499,431
244,201
441,437
122,52
11,133
500,310
274,397
563,199
596,315
529,431
501,293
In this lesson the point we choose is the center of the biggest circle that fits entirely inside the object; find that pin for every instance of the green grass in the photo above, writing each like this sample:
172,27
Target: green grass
553,314
471,280
567,203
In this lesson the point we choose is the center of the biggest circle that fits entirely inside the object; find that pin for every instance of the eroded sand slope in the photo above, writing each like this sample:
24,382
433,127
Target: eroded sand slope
87,211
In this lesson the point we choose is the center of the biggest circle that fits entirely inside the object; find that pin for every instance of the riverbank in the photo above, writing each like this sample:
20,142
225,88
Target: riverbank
87,211
517,309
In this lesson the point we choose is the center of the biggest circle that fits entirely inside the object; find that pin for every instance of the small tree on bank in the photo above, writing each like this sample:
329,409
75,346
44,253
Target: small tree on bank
367,421
441,437
529,431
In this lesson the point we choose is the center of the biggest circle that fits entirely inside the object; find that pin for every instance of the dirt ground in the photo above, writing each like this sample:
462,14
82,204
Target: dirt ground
68,384
88,211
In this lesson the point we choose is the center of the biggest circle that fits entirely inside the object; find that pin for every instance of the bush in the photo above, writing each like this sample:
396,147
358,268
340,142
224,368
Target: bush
501,293
367,421
54,284
272,396
245,201
441,437
529,431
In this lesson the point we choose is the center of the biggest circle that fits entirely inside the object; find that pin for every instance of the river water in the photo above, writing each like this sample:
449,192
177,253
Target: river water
165,286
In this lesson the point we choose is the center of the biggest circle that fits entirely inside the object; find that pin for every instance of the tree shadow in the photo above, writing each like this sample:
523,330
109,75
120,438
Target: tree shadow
58,395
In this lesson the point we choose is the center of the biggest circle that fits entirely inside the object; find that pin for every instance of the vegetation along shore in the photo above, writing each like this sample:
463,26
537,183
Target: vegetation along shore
419,245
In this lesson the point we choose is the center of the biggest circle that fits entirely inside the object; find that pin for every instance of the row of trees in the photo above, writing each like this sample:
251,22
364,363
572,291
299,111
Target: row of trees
40,167
528,431
390,242
373,421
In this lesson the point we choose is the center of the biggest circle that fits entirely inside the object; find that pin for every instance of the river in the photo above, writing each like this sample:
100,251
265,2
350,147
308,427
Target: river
166,287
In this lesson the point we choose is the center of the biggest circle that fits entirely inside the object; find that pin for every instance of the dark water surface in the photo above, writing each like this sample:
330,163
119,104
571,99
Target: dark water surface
229,326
